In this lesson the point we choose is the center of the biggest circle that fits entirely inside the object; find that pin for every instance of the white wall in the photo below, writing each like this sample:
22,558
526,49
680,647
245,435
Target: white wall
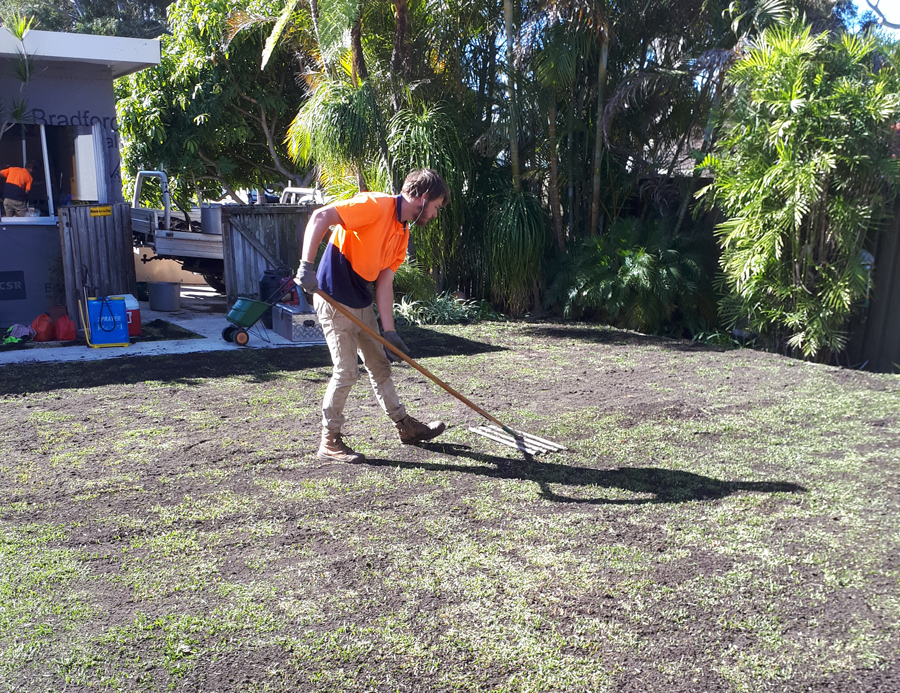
70,94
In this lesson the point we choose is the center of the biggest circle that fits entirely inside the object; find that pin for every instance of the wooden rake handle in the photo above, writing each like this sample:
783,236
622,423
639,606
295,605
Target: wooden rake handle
428,374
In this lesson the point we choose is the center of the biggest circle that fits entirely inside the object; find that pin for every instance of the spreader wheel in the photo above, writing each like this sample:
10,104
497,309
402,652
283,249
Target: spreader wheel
241,337
228,333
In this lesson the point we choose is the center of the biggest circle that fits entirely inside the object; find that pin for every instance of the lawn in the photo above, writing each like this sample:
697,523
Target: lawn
722,520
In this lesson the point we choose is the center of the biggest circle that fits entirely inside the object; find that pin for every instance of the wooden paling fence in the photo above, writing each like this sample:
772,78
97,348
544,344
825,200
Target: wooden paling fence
97,252
257,238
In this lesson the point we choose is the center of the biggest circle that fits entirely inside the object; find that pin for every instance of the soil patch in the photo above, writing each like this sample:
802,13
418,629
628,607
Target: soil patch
720,520
160,330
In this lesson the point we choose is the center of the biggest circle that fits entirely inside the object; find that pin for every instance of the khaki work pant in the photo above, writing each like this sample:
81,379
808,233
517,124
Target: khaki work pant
345,340
14,208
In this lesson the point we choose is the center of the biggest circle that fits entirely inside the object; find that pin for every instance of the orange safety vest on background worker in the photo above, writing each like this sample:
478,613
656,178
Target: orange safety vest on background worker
18,183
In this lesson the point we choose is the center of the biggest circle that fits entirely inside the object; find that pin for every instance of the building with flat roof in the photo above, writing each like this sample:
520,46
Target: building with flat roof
68,134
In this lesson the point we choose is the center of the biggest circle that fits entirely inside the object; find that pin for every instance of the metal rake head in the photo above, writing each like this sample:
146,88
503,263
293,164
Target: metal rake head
516,439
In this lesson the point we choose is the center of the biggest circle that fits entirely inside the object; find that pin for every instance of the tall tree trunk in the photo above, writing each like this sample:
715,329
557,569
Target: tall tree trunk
400,54
578,174
598,136
359,74
482,77
314,16
511,92
491,70
555,210
358,70
570,162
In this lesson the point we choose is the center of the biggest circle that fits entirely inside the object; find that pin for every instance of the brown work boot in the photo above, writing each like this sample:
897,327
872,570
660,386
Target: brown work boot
412,431
333,449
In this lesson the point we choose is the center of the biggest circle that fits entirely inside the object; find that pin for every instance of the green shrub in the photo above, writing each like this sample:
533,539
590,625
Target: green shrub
516,240
639,277
413,283
444,309
805,174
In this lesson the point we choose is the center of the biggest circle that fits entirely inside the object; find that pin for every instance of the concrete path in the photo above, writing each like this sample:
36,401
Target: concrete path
202,311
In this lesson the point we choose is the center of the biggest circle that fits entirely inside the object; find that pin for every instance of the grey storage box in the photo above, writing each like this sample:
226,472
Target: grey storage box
289,322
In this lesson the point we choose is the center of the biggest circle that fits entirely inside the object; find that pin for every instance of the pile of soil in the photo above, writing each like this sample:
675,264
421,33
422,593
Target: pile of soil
162,330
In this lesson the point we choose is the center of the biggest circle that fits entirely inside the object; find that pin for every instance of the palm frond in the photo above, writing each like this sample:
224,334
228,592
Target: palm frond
278,30
238,21
334,22
517,237
334,127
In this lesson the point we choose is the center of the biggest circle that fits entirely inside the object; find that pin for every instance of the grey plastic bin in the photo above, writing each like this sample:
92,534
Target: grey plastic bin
165,296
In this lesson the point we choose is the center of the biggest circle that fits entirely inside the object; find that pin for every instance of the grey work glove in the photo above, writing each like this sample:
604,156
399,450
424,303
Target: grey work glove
394,339
306,277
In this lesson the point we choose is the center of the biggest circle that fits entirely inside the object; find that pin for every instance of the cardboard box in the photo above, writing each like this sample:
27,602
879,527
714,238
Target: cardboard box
289,322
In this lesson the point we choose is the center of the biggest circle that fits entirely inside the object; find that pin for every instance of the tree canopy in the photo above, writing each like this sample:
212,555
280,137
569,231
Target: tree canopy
554,123
208,115
134,18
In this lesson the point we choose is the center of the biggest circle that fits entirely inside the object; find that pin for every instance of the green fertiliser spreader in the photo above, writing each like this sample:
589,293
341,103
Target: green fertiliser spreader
244,314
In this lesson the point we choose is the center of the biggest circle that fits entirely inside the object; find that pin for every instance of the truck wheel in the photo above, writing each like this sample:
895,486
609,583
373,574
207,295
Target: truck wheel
241,337
215,283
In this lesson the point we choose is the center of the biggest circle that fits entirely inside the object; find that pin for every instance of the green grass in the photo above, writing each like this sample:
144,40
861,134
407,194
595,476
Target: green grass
722,520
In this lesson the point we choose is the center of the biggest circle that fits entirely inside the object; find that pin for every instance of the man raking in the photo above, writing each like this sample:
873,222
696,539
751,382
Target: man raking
368,244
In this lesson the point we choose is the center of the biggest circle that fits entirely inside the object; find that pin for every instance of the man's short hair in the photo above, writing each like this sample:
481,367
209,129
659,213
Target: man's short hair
426,183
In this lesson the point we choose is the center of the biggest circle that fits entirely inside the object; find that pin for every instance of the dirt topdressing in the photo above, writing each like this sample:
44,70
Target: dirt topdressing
722,520
152,331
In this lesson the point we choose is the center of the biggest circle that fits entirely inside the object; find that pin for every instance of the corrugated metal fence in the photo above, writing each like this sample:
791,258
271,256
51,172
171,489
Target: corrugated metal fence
257,238
96,252
875,345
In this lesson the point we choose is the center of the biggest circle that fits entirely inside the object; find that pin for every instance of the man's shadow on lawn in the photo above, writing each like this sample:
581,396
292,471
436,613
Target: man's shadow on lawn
661,485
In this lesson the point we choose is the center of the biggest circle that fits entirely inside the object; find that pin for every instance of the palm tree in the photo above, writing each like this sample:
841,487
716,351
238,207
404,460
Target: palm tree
603,32
805,174
511,93
555,69
426,136
17,110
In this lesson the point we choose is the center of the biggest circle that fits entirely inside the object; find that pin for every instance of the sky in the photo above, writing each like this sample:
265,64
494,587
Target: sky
890,8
